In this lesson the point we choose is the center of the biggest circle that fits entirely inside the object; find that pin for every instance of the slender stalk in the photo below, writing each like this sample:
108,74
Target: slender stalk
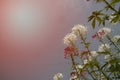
85,43
90,53
103,73
108,4
113,43
82,38
91,75
74,65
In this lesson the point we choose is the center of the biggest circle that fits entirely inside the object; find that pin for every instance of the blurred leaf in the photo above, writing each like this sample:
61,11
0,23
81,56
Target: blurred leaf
99,1
103,23
103,52
113,2
93,23
81,42
99,20
87,44
90,18
115,19
96,16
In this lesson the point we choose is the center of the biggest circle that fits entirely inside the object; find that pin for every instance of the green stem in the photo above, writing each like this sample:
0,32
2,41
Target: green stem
84,41
103,73
113,43
107,3
74,65
104,66
82,38
91,75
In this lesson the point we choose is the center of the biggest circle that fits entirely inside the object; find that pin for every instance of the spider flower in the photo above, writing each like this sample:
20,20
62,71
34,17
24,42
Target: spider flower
104,32
58,76
104,48
70,39
70,50
79,29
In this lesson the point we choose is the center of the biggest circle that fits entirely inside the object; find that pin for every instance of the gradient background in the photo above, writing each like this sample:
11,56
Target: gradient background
31,34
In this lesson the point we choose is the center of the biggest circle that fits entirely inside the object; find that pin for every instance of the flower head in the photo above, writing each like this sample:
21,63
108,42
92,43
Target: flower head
104,32
69,39
84,54
104,48
116,39
79,29
98,34
108,58
94,54
73,75
58,76
85,61
70,50
79,66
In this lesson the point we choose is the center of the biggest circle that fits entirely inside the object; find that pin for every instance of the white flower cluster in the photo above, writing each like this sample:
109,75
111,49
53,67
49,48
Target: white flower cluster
85,61
69,39
79,29
94,54
72,37
80,66
91,57
73,77
108,57
106,31
111,17
116,38
58,76
104,47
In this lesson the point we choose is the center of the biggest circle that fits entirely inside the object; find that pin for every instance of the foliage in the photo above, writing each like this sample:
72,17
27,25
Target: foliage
104,63
110,13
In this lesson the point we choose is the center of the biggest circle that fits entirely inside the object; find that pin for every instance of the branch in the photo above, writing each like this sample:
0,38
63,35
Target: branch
110,6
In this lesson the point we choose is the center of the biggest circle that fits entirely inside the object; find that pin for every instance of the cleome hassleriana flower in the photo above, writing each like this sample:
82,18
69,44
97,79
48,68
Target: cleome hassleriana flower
79,29
104,32
69,39
58,76
104,48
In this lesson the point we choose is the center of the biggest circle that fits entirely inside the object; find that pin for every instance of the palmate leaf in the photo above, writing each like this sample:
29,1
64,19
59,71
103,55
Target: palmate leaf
96,16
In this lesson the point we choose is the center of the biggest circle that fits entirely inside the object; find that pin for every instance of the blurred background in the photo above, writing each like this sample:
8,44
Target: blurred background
31,36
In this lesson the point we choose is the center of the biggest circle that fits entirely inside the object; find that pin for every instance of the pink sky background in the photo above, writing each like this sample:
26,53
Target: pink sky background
31,34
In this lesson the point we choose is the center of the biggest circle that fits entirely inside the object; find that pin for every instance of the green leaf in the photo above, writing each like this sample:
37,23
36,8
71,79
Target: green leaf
113,2
99,1
99,20
87,44
106,52
103,22
115,19
81,42
90,18
93,23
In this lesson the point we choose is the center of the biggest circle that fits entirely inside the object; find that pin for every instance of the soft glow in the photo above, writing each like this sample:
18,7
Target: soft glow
23,18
